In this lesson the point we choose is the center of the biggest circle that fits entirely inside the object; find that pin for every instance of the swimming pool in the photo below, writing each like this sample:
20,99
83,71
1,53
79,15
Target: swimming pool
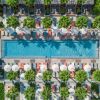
50,49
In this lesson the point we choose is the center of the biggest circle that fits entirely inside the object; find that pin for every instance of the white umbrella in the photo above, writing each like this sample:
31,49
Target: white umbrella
87,68
83,31
22,76
43,67
63,67
63,31
15,68
27,67
71,67
55,67
7,68
20,30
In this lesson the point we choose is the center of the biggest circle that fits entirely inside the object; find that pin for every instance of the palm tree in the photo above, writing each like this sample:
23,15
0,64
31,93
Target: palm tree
29,4
81,76
47,4
63,6
47,22
12,93
80,3
29,93
30,75
12,21
46,92
29,22
64,75
47,75
80,93
13,4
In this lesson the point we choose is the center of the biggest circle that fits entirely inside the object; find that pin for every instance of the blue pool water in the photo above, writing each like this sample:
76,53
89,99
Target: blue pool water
56,49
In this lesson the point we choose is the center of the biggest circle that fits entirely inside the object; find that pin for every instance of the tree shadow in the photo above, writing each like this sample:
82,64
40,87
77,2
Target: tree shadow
70,44
54,43
25,43
86,43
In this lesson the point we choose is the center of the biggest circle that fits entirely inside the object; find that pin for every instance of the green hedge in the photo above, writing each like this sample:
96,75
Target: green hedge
1,91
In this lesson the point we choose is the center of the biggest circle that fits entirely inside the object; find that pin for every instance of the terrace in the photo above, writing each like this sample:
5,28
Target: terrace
53,66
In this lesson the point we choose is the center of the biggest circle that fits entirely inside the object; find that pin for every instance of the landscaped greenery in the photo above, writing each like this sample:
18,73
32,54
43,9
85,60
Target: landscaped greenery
64,92
47,2
80,93
96,22
82,21
12,21
81,76
95,87
29,22
46,92
12,93
63,1
1,25
64,22
47,22
12,3
29,2
96,75
96,8
12,75
2,91
81,1
30,93
47,75
64,75
30,75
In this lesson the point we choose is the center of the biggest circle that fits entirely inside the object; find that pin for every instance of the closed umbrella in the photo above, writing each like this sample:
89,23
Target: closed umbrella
71,67
7,68
55,67
15,68
43,67
27,67
63,67
87,68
